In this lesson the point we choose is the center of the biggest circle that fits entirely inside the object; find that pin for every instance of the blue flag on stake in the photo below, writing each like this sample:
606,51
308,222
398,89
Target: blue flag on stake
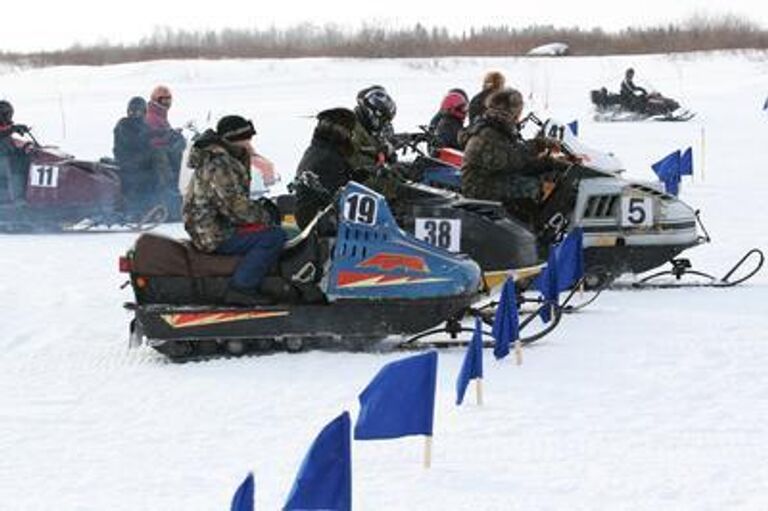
506,323
546,283
324,480
574,127
686,162
668,170
243,498
569,256
765,105
472,367
400,400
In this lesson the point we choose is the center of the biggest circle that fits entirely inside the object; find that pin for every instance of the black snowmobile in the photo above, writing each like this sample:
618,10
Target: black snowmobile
350,276
612,107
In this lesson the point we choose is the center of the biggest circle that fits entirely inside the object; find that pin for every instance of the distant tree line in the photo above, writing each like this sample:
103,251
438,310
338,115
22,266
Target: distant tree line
307,40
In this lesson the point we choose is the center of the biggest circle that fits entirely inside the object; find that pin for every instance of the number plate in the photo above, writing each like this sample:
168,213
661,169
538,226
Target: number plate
44,176
361,208
637,211
440,232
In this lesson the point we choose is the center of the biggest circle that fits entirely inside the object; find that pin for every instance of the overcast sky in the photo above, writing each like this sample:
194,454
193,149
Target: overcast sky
54,24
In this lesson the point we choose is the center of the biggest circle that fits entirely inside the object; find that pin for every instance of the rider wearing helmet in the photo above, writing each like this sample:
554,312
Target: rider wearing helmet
449,121
143,169
374,112
632,96
13,157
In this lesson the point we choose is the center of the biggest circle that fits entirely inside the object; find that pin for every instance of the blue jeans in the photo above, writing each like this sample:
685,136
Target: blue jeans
261,250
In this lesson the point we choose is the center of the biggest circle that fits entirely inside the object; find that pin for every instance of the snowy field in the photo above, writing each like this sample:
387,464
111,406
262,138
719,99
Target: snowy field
648,400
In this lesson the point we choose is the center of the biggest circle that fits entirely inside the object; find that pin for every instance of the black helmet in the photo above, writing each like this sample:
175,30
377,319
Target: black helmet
6,112
629,71
376,107
137,104
234,127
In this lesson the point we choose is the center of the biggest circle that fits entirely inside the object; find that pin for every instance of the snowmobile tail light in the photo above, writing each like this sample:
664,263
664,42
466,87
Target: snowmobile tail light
141,282
125,264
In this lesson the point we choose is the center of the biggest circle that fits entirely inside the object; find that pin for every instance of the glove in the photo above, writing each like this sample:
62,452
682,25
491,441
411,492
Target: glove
21,129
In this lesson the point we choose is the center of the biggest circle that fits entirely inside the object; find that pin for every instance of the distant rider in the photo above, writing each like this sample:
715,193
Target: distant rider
143,169
499,165
169,140
14,159
219,214
492,82
632,95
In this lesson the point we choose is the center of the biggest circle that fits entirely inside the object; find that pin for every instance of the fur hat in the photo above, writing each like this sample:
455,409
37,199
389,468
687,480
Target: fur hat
493,80
340,116
233,128
507,99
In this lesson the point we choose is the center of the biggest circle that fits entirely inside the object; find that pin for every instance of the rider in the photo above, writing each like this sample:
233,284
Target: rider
169,140
449,121
499,165
219,214
632,95
492,82
327,157
143,169
13,158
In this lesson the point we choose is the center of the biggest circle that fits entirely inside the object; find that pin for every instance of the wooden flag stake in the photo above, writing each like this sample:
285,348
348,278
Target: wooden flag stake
518,351
479,389
427,451
703,151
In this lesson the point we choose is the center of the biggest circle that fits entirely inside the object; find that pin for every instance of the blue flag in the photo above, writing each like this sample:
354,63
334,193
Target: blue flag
686,162
546,283
400,400
574,127
765,105
569,260
668,170
243,498
506,323
472,367
324,480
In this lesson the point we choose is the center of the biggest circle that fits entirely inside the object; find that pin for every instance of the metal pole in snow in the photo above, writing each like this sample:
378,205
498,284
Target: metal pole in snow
703,152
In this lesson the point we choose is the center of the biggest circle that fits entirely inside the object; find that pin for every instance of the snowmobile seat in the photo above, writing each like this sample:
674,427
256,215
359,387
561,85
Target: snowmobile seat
156,255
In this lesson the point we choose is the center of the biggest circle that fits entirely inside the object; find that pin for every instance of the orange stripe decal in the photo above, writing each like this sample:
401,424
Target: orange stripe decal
191,319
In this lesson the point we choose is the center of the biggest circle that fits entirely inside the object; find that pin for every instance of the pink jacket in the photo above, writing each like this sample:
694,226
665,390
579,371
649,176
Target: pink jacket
157,120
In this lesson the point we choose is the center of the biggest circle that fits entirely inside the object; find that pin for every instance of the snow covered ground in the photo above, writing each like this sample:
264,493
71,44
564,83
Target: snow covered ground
652,400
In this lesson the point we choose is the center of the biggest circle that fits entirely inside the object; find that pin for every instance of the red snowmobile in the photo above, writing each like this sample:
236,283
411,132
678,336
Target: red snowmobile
52,191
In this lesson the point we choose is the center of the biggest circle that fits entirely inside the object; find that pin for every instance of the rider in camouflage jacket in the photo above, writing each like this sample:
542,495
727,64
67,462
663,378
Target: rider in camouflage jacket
217,202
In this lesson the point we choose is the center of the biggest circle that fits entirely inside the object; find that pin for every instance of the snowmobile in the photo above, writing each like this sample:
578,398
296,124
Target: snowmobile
629,226
355,276
612,107
65,194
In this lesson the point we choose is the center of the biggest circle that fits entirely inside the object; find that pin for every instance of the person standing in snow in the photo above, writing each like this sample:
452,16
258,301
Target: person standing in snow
492,82
218,213
143,168
165,138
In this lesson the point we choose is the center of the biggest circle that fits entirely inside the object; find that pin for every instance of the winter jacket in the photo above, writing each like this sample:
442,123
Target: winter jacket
132,146
447,130
630,90
498,164
367,148
477,105
217,199
327,156
157,120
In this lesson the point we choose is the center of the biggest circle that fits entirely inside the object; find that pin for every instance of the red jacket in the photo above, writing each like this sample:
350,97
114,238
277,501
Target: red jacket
157,120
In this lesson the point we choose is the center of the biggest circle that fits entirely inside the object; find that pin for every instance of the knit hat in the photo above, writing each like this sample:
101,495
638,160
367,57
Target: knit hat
233,128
